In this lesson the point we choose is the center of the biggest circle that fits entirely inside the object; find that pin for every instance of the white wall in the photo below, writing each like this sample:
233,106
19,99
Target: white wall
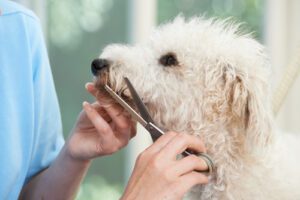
282,37
142,20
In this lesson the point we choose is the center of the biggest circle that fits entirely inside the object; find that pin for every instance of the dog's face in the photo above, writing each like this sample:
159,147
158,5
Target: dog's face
195,77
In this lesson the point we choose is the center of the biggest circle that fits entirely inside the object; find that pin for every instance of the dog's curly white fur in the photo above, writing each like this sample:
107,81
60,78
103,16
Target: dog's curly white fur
219,90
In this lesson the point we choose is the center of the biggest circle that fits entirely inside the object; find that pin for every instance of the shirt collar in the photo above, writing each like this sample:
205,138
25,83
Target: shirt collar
8,7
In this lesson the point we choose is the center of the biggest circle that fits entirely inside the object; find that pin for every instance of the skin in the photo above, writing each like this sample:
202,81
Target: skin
159,175
103,129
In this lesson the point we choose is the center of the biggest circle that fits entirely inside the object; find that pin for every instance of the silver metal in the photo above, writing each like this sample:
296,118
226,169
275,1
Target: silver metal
154,131
132,112
208,160
138,102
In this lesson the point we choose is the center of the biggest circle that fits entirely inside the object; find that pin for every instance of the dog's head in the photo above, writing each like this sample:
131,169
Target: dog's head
197,77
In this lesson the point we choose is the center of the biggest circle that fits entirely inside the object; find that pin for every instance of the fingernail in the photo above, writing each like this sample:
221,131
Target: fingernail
86,85
86,105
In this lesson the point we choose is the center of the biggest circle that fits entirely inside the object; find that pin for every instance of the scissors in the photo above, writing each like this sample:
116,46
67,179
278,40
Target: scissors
146,120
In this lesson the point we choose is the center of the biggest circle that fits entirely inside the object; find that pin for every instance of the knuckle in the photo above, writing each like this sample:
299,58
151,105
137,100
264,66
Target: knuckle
124,125
142,156
198,140
125,143
111,150
167,176
99,148
106,129
145,156
114,149
199,179
133,131
184,137
172,133
155,163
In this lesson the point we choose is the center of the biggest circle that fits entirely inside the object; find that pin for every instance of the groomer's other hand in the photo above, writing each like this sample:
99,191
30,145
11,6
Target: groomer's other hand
100,130
159,175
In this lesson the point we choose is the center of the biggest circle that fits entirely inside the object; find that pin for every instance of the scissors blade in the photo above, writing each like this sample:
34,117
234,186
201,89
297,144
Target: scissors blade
132,112
154,131
138,102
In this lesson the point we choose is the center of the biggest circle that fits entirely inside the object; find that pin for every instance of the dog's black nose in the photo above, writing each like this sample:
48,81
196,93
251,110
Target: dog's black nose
98,64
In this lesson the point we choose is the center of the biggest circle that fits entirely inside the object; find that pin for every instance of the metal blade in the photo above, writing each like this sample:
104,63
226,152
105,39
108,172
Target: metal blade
132,112
154,131
138,102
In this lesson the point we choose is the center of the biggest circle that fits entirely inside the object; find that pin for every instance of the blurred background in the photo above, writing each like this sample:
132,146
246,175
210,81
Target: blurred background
77,30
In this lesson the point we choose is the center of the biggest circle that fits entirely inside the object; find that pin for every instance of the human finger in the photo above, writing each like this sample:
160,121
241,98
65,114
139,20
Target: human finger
114,110
99,123
187,181
90,87
101,111
118,116
149,153
122,136
101,95
161,142
188,164
182,142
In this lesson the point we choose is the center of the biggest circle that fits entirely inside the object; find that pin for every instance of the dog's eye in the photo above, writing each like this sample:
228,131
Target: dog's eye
168,59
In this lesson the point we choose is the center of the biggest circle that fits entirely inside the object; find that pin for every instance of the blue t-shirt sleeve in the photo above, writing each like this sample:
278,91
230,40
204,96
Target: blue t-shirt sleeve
30,123
48,138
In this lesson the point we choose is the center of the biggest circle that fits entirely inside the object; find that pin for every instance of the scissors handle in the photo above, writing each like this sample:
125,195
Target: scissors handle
155,133
204,156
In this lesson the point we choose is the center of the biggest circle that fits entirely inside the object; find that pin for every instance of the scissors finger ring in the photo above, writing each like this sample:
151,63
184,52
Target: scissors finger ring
210,164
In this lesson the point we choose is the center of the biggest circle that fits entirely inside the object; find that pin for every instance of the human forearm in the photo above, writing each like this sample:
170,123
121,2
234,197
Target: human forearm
60,181
91,137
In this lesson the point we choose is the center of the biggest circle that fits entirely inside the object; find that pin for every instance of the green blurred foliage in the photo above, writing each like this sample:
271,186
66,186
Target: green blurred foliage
75,38
96,188
249,12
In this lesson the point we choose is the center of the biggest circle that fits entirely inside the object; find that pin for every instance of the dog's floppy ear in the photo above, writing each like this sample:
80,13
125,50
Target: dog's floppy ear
241,101
236,94
248,103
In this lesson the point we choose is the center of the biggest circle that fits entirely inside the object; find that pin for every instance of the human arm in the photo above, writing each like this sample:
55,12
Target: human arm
91,137
156,171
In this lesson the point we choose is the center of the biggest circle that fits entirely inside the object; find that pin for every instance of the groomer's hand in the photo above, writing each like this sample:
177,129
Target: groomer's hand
100,130
159,175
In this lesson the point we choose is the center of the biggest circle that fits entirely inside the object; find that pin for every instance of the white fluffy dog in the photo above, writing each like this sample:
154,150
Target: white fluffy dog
203,77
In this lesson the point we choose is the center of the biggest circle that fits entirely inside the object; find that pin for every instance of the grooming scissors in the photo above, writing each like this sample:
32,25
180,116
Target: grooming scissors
146,120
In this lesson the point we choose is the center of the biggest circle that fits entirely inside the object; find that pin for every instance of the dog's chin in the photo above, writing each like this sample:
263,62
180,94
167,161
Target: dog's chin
103,79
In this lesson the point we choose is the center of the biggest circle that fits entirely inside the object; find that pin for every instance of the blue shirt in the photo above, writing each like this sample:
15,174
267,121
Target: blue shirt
30,123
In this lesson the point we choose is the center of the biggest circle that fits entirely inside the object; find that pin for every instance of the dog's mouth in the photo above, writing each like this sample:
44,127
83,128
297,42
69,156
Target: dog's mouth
103,79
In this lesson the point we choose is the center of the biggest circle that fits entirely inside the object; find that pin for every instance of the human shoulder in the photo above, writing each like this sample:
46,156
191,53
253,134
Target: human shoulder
18,19
11,8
